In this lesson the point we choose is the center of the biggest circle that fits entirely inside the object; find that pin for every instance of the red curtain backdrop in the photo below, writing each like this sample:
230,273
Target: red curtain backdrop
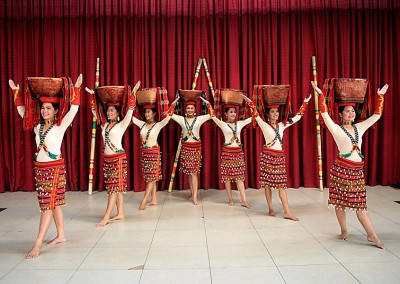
159,43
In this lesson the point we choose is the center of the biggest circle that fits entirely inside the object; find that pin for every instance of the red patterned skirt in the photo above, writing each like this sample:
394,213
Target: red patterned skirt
50,184
347,186
151,164
233,166
190,157
273,169
115,172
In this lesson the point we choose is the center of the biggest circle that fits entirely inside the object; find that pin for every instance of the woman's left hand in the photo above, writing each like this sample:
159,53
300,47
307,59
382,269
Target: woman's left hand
306,100
175,101
383,90
246,98
78,82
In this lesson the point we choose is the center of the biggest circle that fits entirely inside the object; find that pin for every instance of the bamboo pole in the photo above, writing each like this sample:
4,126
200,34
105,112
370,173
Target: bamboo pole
178,150
318,127
93,140
210,84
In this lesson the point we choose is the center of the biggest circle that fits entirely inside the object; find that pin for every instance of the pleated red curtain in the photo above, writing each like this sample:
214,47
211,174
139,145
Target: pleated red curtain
159,43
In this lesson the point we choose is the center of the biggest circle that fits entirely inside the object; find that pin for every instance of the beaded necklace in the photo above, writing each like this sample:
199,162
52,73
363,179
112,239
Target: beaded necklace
42,137
107,140
234,137
277,136
189,128
144,141
354,141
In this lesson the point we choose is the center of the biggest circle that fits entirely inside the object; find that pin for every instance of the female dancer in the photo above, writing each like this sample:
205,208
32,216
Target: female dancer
151,155
272,164
232,160
49,165
191,145
347,184
115,163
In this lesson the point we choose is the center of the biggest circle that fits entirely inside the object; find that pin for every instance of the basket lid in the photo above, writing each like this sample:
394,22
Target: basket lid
45,86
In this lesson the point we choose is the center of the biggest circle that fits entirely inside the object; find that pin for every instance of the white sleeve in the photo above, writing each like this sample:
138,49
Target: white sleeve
137,122
69,117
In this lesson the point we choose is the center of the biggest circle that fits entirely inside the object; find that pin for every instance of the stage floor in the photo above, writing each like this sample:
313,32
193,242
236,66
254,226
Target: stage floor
177,242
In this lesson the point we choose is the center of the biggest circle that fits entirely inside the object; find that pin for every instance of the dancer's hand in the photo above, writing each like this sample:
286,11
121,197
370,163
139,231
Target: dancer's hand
318,90
136,87
90,91
12,85
306,100
204,100
383,90
175,101
246,98
78,82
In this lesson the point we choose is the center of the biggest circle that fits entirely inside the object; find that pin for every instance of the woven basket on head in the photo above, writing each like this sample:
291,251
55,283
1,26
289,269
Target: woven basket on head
45,86
110,94
350,89
147,96
232,96
190,95
275,94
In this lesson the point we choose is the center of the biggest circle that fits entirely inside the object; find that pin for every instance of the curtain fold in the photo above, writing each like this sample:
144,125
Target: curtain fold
159,42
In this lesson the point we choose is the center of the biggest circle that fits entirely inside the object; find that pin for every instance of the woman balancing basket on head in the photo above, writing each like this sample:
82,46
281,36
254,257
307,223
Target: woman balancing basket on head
274,104
45,108
154,102
232,160
113,108
347,185
190,155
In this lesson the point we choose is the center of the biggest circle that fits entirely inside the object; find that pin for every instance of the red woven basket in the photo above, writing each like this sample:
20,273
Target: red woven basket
232,96
350,89
45,86
110,94
190,95
275,94
147,96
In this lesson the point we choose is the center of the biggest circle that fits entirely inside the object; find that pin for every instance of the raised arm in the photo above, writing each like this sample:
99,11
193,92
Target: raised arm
18,99
131,106
363,126
323,109
170,112
299,113
254,112
75,102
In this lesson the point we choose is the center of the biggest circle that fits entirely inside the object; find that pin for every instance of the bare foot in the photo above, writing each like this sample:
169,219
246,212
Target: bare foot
103,223
117,217
290,217
195,201
189,197
35,251
245,204
142,206
231,203
57,240
271,213
374,239
344,236
153,202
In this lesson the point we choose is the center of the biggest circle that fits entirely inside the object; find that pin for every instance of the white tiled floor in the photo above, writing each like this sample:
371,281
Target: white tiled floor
177,242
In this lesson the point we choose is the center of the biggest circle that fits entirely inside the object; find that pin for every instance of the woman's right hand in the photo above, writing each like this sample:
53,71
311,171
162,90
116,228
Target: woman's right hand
90,91
318,90
12,85
204,100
